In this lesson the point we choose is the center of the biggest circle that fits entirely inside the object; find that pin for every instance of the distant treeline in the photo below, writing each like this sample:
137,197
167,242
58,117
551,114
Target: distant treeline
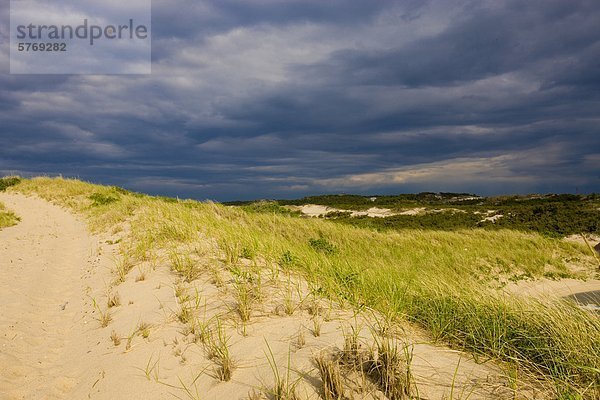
560,219
550,214
356,202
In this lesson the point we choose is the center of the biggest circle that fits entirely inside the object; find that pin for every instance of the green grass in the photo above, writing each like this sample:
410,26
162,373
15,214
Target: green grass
7,218
442,280
552,215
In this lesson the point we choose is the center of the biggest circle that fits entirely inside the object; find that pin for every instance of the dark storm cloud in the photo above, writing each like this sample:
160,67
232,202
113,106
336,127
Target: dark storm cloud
486,42
194,17
194,21
276,99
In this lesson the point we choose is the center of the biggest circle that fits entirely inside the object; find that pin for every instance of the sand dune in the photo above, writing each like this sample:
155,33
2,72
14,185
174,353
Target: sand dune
54,288
314,210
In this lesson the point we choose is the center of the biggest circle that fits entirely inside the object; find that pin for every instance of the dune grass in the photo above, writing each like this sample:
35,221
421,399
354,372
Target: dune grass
7,218
444,281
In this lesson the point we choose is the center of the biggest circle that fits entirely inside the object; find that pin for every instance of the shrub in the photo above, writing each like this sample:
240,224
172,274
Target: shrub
8,181
322,245
100,199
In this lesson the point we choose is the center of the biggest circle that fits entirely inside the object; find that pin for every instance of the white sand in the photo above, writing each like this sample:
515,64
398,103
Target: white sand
492,219
544,288
315,210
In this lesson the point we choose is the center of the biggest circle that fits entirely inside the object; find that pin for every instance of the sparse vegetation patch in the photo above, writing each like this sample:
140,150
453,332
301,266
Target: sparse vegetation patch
7,218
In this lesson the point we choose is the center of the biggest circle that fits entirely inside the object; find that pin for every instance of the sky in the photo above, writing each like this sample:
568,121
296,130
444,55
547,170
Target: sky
282,99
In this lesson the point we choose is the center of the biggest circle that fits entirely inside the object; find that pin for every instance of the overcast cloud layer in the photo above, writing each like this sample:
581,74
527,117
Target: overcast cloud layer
262,99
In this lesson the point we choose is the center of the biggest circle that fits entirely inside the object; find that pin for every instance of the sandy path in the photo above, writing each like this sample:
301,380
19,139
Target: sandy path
41,261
